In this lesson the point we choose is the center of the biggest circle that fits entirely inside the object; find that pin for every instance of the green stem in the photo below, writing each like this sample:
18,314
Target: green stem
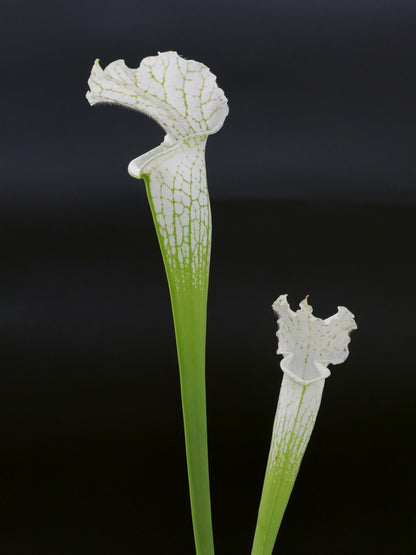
294,421
190,326
277,487
189,307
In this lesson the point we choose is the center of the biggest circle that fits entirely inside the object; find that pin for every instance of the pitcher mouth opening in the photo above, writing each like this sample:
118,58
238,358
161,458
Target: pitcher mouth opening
321,372
144,164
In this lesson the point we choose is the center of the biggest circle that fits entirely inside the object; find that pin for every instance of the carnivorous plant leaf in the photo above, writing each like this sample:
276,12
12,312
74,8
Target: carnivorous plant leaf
308,344
183,97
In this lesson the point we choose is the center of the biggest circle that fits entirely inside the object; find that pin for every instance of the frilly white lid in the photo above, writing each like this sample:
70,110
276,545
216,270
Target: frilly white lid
308,344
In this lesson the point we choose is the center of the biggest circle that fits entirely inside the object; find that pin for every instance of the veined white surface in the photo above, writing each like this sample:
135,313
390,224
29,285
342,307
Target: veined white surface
179,192
183,97
308,344
295,418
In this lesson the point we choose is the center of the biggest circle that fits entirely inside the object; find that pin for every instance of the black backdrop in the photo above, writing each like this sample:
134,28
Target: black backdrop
312,184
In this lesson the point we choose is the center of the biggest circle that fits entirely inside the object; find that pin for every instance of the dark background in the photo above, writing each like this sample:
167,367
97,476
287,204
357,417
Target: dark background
313,190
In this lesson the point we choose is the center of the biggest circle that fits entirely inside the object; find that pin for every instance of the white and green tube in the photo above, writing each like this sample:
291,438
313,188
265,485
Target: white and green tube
308,345
183,97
